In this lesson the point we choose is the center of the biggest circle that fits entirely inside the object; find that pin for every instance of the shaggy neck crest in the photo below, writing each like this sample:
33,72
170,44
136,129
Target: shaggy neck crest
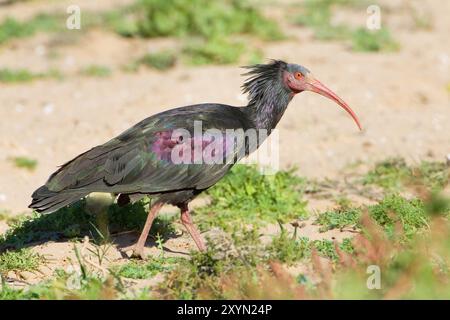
268,96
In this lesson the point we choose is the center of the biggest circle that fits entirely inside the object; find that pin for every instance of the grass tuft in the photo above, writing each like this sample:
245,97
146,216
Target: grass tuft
338,219
96,71
147,269
210,23
373,41
394,209
216,51
202,18
318,14
394,175
162,60
21,260
288,250
17,76
11,28
246,196
25,163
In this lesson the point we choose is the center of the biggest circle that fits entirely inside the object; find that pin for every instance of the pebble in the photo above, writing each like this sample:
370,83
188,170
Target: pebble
19,108
48,108
40,50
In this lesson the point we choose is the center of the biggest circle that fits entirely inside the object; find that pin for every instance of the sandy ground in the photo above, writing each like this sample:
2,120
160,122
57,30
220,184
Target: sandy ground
61,255
401,99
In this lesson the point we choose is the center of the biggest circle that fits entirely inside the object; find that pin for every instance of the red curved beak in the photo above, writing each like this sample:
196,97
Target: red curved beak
317,87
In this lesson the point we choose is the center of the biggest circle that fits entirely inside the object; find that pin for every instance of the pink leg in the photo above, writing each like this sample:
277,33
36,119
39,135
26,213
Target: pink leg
138,251
189,225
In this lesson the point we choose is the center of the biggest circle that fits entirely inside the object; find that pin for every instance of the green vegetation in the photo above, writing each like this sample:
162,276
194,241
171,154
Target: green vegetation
388,174
373,41
21,260
202,18
17,76
246,196
162,60
205,26
291,250
11,28
393,210
287,249
96,71
395,174
434,175
217,51
317,14
22,75
339,219
25,162
146,269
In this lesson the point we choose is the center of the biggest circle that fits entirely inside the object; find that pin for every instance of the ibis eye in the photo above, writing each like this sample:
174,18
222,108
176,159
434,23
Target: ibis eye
298,75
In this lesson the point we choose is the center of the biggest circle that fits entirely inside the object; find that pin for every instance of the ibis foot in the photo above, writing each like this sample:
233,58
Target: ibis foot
138,254
138,249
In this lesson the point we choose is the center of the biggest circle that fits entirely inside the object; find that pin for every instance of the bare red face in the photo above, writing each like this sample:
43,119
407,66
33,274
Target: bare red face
299,82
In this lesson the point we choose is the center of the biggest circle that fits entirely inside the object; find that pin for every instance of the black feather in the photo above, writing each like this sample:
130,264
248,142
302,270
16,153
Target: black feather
262,78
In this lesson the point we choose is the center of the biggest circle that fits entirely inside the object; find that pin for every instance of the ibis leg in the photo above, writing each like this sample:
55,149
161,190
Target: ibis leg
191,228
138,251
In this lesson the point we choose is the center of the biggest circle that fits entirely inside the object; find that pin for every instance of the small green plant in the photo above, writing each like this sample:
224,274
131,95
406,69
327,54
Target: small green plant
246,196
210,23
96,71
393,209
203,18
213,52
17,76
394,174
434,175
25,163
21,260
373,41
11,28
163,60
287,249
317,14
388,174
147,269
122,21
22,75
338,219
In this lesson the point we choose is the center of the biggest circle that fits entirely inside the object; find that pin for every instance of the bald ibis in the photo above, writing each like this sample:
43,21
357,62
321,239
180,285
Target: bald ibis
140,161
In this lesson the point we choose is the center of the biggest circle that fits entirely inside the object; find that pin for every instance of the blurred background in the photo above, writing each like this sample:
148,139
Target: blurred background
63,91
